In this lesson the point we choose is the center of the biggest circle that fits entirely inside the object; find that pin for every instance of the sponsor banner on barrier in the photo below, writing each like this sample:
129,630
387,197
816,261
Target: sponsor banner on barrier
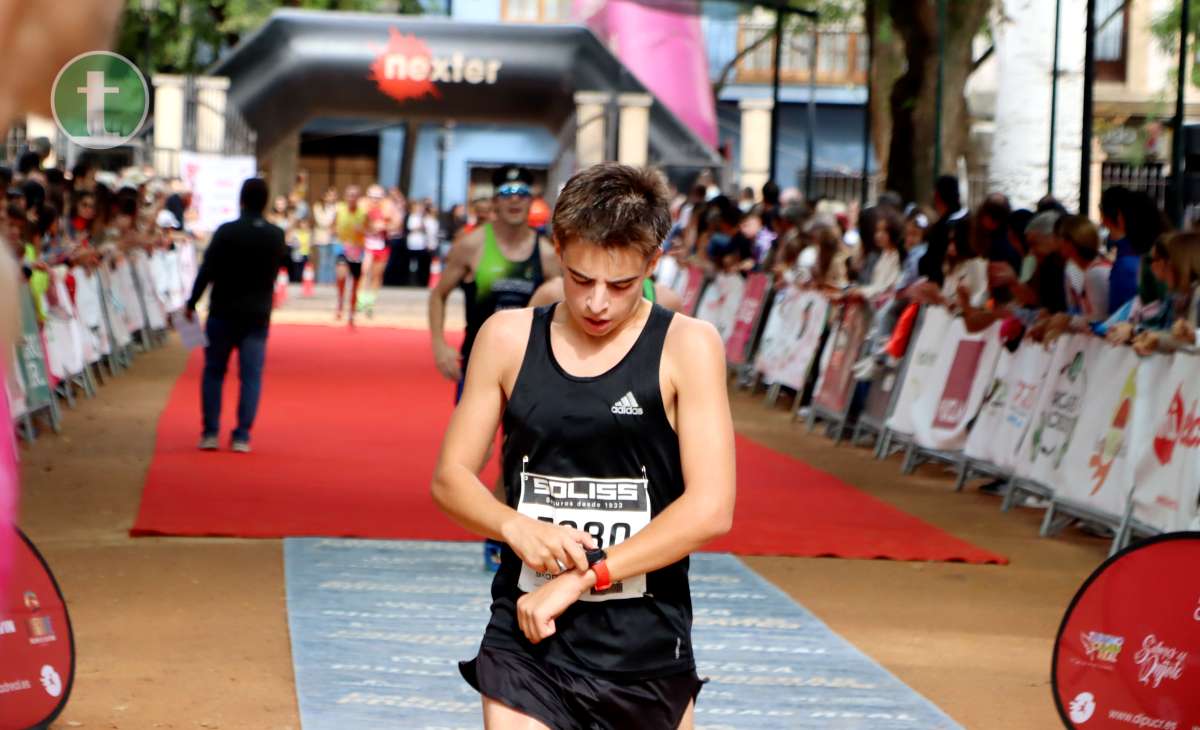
1166,447
693,283
1097,453
126,291
960,379
1057,412
1126,654
920,374
113,306
719,304
31,357
35,642
737,344
836,382
1026,375
215,182
991,411
792,338
668,273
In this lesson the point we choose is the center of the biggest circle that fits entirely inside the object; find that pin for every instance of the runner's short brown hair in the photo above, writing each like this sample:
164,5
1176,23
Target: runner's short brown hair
614,206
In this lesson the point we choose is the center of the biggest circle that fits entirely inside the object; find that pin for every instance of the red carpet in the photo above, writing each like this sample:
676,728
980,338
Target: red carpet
348,434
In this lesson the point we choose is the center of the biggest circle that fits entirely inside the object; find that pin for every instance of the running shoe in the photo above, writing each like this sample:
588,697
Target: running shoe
209,443
241,447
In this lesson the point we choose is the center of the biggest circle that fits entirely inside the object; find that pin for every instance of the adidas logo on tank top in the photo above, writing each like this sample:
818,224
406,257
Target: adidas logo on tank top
627,406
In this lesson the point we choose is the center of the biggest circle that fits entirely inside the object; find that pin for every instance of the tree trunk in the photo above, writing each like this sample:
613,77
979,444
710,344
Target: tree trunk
913,100
887,65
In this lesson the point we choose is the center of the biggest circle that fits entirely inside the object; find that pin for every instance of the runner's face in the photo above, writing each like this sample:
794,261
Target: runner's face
602,288
513,210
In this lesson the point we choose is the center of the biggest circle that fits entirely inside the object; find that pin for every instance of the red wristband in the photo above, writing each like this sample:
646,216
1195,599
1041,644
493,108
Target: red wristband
603,578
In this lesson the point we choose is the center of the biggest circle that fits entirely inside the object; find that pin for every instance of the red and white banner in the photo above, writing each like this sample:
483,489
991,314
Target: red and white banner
692,283
920,373
1166,447
1126,656
835,385
719,304
960,379
1095,469
754,297
792,337
37,653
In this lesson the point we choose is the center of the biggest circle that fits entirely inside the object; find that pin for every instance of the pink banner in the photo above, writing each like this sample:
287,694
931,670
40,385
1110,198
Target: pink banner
664,48
753,298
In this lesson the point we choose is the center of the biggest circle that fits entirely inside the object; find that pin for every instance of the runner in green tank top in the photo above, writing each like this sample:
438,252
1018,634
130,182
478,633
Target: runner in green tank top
499,265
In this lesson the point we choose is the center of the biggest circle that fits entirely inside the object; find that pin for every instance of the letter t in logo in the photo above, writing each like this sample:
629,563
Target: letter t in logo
94,93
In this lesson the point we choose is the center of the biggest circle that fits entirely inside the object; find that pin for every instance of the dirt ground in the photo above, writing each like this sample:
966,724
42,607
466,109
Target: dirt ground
192,633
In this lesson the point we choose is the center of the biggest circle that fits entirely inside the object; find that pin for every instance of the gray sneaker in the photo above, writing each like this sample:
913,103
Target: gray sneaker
209,443
241,447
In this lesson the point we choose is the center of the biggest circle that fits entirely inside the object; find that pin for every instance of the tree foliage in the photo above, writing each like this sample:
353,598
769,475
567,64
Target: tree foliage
186,36
1165,28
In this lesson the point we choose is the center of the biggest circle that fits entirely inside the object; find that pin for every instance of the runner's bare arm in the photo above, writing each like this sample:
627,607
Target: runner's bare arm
458,263
456,488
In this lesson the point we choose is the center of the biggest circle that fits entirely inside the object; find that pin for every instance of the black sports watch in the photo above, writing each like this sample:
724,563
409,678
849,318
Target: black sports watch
595,556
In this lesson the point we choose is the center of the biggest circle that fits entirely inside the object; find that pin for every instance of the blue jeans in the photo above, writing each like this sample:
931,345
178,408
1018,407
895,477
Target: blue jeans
250,340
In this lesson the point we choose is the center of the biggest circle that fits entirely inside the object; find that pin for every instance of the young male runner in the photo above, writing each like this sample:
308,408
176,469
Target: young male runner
619,449
350,225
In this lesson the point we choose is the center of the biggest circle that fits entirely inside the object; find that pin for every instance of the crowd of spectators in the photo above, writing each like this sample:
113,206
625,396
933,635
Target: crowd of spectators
85,216
1044,272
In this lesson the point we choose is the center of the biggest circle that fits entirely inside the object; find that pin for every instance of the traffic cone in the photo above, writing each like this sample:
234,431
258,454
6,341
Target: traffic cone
281,285
309,280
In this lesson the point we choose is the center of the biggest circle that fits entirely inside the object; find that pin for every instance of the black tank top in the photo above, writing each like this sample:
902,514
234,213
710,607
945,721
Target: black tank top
597,452
499,284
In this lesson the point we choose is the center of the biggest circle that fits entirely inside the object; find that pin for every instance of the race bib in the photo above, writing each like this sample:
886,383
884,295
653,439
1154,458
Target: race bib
610,510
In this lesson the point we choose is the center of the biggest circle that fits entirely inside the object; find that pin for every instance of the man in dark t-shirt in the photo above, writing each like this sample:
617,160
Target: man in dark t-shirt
241,263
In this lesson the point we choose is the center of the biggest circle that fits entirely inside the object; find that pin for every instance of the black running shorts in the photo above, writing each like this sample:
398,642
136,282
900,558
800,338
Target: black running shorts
566,700
354,266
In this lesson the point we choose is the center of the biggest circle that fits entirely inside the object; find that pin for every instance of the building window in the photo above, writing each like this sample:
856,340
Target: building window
536,11
1112,18
841,54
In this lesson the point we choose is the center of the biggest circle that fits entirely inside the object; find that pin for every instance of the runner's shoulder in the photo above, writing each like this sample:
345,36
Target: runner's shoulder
504,333
692,343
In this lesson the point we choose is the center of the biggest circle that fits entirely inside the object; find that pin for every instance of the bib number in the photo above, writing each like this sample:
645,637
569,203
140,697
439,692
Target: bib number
610,510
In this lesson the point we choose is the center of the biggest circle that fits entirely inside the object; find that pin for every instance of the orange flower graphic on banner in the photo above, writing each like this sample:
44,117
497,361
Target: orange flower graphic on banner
1112,443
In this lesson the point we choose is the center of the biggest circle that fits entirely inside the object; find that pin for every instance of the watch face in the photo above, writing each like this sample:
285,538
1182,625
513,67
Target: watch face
595,556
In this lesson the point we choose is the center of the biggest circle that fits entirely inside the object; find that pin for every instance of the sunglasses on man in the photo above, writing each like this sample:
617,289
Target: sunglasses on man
513,190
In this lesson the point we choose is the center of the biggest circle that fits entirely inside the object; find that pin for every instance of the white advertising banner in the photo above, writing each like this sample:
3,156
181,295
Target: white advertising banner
1057,413
991,411
919,373
1097,454
216,184
1166,453
960,379
791,338
1025,379
720,302
155,310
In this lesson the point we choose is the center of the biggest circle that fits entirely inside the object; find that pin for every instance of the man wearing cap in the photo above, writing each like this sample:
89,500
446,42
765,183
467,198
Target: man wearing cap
499,265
